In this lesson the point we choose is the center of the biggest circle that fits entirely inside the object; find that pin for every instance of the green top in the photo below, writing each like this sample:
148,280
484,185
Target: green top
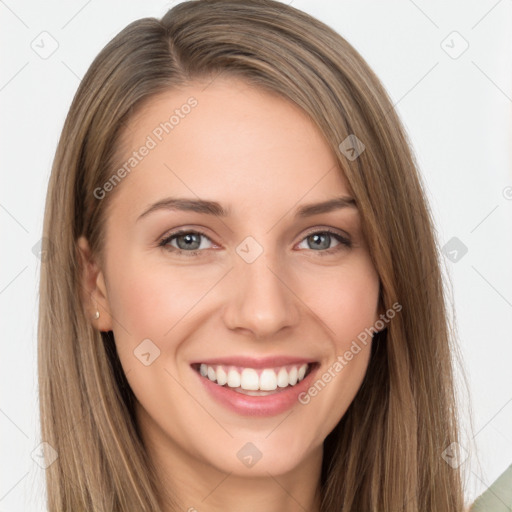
498,498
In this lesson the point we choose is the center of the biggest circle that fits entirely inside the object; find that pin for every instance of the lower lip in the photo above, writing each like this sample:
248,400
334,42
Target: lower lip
246,405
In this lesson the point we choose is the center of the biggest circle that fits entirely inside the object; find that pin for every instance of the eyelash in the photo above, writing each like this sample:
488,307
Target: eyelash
344,242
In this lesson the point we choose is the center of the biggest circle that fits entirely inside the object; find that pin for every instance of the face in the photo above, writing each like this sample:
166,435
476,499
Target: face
234,319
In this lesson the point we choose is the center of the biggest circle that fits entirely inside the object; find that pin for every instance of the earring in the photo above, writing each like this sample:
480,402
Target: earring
97,315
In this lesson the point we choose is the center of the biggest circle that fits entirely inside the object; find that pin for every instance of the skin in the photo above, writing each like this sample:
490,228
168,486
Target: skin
261,156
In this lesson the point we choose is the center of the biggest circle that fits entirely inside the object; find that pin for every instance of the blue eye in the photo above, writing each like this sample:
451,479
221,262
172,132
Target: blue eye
319,237
188,242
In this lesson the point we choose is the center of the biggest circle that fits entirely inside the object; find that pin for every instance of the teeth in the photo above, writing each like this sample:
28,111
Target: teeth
269,379
249,379
292,375
222,376
233,379
282,378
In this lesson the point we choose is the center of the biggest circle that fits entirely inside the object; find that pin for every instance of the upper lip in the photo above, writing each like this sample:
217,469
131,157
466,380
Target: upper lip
251,362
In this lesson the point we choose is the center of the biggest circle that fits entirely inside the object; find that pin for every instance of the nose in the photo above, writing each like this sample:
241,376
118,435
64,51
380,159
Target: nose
261,299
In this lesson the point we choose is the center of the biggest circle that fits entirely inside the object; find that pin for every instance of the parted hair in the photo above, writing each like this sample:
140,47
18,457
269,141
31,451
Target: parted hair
385,453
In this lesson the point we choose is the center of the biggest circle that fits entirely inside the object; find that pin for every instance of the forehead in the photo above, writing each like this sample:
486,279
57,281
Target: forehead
229,140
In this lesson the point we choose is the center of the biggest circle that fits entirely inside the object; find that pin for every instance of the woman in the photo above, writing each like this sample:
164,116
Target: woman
256,371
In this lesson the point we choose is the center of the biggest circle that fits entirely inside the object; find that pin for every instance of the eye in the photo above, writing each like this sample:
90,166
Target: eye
322,240
188,242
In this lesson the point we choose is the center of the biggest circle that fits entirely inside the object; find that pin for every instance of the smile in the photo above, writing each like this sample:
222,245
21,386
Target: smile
254,381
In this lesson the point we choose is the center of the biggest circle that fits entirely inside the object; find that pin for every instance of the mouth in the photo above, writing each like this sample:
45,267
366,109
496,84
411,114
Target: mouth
256,380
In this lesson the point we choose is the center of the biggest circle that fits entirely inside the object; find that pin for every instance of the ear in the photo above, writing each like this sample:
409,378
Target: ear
94,290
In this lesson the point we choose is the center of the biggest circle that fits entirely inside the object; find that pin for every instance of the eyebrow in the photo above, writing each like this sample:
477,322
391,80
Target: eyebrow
214,208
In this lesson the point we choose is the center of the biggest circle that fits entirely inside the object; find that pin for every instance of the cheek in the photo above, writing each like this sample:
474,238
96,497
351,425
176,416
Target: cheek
149,300
345,300
347,307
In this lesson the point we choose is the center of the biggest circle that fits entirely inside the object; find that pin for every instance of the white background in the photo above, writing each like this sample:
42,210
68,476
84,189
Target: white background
457,112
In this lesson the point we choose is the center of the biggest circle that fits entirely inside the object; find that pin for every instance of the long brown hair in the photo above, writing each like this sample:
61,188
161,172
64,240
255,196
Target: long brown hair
385,453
